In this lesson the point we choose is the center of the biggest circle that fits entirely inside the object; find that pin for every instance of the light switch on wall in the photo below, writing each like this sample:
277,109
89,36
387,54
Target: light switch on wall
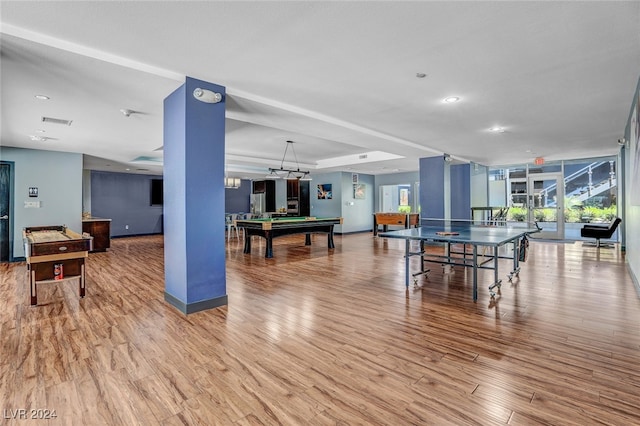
32,204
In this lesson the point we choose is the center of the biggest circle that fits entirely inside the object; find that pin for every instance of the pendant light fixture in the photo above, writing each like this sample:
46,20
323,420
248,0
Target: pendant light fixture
289,174
230,182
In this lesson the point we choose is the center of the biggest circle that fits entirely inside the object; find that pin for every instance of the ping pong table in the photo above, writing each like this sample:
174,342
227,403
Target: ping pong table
452,234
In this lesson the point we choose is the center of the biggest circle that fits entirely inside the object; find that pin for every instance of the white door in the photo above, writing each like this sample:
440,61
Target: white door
545,194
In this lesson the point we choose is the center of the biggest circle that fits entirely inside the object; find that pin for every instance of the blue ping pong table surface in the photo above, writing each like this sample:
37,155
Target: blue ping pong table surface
465,233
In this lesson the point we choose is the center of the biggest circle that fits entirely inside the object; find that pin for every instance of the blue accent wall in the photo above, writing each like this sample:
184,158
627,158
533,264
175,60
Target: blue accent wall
194,198
432,188
125,198
238,200
175,253
460,191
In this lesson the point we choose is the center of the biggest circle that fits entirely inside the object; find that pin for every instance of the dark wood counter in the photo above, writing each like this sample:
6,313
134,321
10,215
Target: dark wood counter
100,230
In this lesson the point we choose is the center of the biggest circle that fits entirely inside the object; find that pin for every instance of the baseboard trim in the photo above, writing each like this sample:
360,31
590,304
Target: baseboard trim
634,279
136,235
353,232
202,305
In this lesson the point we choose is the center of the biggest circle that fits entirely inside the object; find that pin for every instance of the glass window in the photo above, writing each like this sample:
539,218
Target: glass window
545,168
590,190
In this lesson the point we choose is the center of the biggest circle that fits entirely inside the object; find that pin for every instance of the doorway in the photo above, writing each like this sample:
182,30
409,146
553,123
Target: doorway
5,196
399,198
546,204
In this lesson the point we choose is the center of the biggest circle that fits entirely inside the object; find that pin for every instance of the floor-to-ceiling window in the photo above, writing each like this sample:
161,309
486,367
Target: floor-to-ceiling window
559,196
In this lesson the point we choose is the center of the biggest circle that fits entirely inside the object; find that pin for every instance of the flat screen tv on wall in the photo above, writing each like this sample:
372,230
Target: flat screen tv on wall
157,198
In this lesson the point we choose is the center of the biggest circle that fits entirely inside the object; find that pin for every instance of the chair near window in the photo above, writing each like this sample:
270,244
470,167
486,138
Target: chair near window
600,232
245,216
230,225
500,218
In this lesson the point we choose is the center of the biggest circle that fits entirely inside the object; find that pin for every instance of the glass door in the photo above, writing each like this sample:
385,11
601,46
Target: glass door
546,204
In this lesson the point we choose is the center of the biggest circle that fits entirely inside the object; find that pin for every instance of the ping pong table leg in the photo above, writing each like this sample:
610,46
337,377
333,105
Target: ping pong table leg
407,250
495,264
496,281
516,261
475,272
422,271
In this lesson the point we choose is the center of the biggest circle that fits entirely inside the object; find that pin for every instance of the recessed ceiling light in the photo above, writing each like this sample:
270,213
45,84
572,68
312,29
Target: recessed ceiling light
56,121
420,75
497,129
42,97
128,112
451,99
40,131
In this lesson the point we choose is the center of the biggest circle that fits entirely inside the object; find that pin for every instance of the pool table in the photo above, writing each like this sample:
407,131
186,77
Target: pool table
55,254
270,228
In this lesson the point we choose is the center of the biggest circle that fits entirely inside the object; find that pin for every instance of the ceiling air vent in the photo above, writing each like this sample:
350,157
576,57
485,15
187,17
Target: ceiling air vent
362,156
56,121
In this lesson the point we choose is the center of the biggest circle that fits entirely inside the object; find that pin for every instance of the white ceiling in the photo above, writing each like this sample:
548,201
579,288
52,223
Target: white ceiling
338,78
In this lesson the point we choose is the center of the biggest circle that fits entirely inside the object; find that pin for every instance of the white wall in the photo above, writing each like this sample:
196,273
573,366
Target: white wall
632,212
388,198
86,191
58,177
498,193
357,213
479,185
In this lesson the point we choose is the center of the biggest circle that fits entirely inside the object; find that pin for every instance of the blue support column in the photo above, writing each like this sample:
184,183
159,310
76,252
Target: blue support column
194,243
432,188
460,175
445,189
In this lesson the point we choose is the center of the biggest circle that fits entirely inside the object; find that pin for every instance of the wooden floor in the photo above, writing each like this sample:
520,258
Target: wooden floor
313,337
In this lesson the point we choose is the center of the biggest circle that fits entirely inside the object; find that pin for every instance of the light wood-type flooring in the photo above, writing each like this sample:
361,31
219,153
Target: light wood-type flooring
318,337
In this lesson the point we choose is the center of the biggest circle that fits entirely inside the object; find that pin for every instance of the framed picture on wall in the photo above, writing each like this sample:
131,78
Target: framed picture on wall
324,191
359,191
404,197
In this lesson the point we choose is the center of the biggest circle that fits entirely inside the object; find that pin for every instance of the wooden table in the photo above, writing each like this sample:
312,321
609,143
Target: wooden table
402,219
48,248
